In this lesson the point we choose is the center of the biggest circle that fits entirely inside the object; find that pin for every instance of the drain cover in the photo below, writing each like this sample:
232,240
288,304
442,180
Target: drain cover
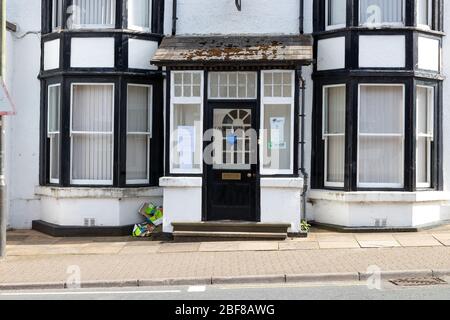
416,282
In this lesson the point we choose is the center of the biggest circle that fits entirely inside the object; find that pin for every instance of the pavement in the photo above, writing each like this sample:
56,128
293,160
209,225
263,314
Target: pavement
37,261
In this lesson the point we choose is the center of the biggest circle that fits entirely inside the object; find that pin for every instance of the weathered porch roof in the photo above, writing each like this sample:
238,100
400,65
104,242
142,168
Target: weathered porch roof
234,50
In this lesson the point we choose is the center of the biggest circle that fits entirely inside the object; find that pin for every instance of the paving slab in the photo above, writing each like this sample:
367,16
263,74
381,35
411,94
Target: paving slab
339,244
139,250
298,245
258,246
417,240
335,237
179,247
219,246
443,238
379,243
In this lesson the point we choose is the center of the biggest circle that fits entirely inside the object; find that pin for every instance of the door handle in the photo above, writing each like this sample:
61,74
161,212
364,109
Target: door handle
251,175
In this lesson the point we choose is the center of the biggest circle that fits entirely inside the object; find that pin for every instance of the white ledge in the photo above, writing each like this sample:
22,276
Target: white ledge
379,196
97,193
294,183
181,182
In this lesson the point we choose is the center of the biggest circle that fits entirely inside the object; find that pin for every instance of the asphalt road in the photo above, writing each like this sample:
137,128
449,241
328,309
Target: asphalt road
341,291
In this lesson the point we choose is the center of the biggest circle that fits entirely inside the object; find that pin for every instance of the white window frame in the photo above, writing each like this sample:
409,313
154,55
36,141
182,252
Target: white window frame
185,100
274,101
50,133
94,26
72,133
383,24
57,14
429,136
402,135
325,137
237,85
327,17
140,28
429,17
149,134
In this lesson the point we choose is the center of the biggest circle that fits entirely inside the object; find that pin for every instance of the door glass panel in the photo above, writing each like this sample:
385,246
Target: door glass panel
233,148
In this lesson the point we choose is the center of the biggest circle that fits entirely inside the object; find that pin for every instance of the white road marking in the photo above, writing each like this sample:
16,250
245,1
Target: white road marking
84,292
197,289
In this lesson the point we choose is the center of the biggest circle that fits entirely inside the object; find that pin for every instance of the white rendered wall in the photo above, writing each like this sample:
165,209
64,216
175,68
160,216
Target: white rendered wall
382,51
92,53
139,52
51,54
446,104
429,54
222,17
22,130
331,54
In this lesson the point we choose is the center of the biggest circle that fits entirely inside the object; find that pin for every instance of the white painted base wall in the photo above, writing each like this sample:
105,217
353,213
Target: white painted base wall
379,209
109,207
280,201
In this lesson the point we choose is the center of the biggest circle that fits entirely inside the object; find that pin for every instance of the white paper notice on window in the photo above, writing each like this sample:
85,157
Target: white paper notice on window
186,146
277,133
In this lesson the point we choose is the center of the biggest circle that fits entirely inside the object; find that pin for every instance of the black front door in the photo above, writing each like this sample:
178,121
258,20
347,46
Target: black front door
231,177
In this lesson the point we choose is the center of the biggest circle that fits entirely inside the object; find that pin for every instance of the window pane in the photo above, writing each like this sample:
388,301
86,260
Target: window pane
424,110
54,157
334,133
139,14
334,110
92,158
278,84
381,136
93,13
381,11
381,160
422,161
56,14
278,146
381,110
137,158
92,108
139,109
54,105
232,85
337,12
335,159
186,137
423,12
92,141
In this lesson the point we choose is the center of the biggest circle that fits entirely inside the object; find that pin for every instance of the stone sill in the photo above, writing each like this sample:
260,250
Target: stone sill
181,182
379,196
97,193
282,183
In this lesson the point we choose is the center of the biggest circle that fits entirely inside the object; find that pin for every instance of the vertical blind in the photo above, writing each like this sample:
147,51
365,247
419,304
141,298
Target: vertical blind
381,136
334,135
53,131
139,106
381,11
139,14
424,127
94,13
337,12
92,133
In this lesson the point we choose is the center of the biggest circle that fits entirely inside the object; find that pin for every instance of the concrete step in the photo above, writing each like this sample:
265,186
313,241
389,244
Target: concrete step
229,230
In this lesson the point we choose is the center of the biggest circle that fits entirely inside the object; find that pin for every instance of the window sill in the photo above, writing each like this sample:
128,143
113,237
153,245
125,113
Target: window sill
97,193
286,183
181,182
379,196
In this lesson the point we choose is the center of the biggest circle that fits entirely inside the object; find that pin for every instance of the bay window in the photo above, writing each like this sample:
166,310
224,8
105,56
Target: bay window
139,133
381,12
336,14
94,14
381,136
186,125
91,131
53,130
334,102
424,134
277,120
140,15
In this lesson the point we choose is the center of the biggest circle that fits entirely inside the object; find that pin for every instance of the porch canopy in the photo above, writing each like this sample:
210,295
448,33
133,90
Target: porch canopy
198,51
